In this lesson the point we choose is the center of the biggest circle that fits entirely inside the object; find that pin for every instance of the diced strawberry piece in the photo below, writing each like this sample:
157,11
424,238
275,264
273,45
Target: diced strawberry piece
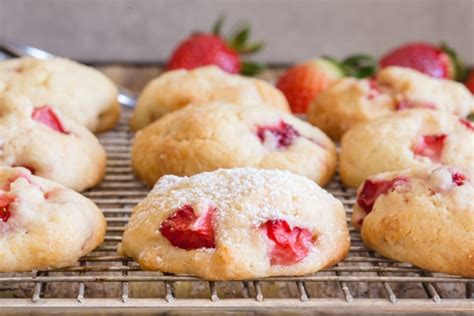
430,146
405,104
458,178
290,245
374,89
283,134
186,230
467,123
5,201
372,189
45,115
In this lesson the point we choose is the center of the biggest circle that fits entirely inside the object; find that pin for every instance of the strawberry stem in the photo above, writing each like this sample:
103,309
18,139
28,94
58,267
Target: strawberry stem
239,40
239,43
360,66
251,68
460,71
217,27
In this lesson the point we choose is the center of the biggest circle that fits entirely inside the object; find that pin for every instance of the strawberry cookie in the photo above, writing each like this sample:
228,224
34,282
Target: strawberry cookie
351,101
421,216
220,135
48,144
80,92
44,225
178,88
234,224
408,139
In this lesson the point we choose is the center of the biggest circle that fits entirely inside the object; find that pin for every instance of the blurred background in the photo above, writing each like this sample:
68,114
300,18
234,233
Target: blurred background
146,31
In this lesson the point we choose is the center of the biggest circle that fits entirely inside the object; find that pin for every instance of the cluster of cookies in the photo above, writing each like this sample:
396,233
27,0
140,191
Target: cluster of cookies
244,206
236,178
49,110
234,198
408,147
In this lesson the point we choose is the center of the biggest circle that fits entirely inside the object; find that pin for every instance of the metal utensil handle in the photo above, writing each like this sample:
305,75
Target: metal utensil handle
124,97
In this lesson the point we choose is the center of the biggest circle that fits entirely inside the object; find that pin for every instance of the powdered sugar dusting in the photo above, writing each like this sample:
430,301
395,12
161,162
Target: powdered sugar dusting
253,195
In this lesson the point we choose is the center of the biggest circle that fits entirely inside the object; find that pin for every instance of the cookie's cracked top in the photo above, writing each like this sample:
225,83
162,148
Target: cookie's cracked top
205,137
178,88
414,138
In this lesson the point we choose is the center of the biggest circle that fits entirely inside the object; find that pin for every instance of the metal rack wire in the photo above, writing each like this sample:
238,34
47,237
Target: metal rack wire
363,282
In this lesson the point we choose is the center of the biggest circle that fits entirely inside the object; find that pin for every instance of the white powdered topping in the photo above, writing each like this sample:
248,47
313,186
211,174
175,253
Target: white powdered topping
251,195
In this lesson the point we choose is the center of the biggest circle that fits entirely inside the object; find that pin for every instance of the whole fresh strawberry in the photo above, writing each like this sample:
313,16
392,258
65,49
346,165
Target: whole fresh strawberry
202,49
303,82
435,61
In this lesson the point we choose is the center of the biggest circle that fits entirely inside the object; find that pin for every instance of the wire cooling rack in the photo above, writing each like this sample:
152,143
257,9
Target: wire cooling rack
103,281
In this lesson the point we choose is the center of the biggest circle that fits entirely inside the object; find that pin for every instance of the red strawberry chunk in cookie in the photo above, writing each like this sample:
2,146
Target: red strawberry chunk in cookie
430,146
406,104
458,178
186,230
374,89
282,134
290,245
5,202
372,189
467,123
46,116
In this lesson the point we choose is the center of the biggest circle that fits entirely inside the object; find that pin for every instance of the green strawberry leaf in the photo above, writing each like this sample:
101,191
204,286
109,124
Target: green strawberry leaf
239,40
360,66
252,48
460,71
217,27
251,68
471,117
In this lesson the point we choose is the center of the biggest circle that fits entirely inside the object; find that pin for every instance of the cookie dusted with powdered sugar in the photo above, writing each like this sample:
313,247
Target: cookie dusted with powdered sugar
44,225
178,88
424,217
408,139
82,93
217,135
352,101
234,224
49,144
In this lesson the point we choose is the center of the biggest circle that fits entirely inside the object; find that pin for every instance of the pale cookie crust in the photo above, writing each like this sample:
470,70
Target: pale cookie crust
243,199
352,101
73,158
79,92
49,226
389,143
219,135
427,220
178,88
